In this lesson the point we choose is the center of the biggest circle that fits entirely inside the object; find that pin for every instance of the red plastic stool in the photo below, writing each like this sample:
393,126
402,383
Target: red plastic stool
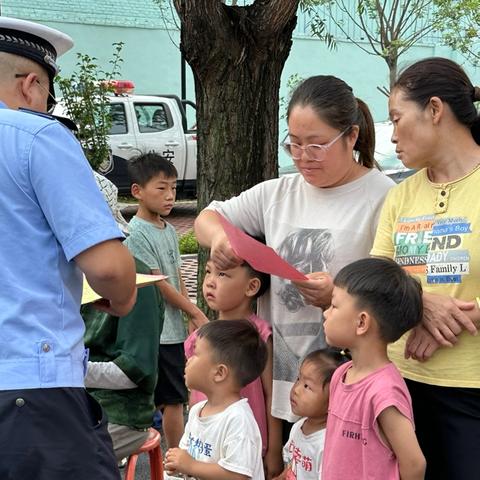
152,446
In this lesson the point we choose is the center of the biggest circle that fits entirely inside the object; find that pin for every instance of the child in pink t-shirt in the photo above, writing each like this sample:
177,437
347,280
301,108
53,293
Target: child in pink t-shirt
231,294
370,431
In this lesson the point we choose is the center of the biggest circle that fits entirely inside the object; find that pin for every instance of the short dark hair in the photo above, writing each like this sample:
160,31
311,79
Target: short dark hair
326,360
237,344
147,165
386,291
262,276
445,79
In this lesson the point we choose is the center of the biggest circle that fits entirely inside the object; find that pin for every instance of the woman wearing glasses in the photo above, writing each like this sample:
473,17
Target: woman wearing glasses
319,220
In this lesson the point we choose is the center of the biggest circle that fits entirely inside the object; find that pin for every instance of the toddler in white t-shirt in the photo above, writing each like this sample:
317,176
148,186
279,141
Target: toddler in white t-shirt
221,438
303,451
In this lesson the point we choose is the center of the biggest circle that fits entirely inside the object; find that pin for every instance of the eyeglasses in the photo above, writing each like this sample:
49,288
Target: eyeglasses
314,152
52,101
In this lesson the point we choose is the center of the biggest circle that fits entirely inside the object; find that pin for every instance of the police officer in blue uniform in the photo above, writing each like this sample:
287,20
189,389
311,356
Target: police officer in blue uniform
55,225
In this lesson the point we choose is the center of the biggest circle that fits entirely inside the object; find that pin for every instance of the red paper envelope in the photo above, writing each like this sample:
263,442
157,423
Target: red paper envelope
258,255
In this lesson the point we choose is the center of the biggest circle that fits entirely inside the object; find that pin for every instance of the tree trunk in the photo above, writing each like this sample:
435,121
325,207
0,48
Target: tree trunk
237,56
392,63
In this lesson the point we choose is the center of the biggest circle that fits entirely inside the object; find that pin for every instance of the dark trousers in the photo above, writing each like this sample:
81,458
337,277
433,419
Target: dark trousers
447,423
54,434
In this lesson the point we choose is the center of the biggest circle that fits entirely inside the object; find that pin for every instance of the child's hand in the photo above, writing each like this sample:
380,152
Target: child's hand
272,465
282,476
196,321
178,461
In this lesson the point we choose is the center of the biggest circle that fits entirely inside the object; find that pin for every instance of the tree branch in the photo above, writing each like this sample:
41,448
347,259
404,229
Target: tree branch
370,37
362,26
393,13
341,5
382,22
415,15
409,42
403,11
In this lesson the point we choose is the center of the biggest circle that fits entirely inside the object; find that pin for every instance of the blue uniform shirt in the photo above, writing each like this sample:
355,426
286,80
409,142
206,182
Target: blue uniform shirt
50,211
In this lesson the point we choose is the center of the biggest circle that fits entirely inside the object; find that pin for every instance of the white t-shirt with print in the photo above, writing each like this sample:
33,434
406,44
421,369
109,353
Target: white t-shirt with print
302,454
314,229
230,438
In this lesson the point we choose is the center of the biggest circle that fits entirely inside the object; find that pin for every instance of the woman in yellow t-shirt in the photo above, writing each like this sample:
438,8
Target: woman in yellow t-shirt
430,224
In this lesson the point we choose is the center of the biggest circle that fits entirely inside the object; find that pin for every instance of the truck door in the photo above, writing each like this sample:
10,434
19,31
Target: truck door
122,142
159,130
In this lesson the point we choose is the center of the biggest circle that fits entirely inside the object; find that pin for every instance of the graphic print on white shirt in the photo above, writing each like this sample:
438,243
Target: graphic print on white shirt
230,438
308,250
303,454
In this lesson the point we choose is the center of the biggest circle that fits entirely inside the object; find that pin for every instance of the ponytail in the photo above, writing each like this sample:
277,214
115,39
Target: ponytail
475,128
365,144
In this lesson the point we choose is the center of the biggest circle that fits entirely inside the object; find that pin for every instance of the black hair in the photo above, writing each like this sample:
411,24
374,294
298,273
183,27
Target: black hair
262,276
237,344
333,100
445,79
386,291
147,165
326,360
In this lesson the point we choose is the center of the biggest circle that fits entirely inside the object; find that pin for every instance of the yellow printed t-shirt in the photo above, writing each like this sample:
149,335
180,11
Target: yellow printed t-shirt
433,231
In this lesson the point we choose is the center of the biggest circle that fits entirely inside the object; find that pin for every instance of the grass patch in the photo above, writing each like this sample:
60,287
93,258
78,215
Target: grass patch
188,243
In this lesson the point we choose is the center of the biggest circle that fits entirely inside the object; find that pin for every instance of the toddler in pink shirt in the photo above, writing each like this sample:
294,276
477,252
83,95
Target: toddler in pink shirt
370,432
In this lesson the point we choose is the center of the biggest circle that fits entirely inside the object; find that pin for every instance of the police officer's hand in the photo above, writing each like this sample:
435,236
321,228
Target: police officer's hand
117,309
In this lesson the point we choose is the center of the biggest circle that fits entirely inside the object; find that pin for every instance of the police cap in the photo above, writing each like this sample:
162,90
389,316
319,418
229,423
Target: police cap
34,41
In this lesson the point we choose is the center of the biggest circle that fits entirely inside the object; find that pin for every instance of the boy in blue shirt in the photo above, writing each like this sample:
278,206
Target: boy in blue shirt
154,241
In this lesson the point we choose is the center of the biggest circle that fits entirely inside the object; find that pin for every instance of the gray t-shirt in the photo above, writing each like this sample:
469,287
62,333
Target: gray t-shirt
158,248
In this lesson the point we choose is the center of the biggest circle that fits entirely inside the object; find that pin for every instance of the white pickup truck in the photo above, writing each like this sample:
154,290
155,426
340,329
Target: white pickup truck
145,123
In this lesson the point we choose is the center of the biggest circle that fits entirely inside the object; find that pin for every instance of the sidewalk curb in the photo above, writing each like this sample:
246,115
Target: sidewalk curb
189,256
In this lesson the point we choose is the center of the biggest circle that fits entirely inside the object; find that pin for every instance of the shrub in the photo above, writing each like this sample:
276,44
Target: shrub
188,243
85,98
